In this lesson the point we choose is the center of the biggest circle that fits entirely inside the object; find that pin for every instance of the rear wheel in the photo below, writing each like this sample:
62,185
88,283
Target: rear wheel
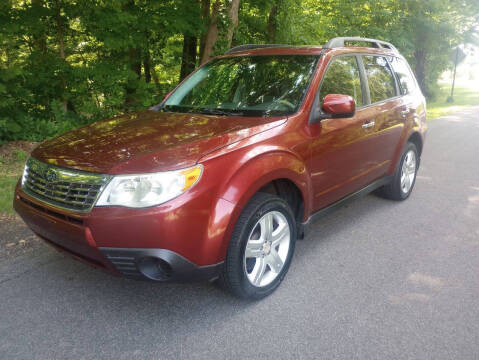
404,177
260,249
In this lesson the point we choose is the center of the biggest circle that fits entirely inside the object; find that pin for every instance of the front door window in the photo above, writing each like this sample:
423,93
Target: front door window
342,77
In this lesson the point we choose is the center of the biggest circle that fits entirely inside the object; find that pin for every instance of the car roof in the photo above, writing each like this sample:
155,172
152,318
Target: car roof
338,45
269,49
310,50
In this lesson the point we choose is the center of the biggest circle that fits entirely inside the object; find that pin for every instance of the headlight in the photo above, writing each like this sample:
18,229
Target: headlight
145,190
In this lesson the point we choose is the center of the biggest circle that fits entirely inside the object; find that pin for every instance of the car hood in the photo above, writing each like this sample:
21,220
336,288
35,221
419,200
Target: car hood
148,141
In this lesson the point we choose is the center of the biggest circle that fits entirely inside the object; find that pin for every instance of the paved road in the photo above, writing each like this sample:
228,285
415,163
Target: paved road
374,280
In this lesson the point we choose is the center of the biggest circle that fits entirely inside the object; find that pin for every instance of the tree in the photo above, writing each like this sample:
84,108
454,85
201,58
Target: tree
66,63
423,31
427,30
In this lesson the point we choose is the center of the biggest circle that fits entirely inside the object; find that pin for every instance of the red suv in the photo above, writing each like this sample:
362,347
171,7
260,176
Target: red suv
220,179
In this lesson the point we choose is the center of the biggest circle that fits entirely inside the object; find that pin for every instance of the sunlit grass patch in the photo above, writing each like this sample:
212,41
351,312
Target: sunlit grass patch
464,97
12,161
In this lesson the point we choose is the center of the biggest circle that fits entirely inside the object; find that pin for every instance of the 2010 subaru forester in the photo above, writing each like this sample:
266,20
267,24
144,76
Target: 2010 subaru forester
220,179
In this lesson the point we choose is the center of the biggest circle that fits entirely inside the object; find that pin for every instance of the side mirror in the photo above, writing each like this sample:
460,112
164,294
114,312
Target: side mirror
339,106
336,106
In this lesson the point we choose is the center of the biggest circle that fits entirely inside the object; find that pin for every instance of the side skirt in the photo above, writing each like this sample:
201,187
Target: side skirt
345,200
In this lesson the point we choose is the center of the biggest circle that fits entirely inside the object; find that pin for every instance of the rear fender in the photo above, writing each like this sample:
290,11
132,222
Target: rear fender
416,125
405,136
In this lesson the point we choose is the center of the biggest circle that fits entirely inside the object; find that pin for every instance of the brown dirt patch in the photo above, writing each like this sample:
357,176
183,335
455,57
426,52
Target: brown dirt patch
7,150
15,237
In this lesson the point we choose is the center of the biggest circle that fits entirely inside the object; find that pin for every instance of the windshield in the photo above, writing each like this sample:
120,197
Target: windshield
246,86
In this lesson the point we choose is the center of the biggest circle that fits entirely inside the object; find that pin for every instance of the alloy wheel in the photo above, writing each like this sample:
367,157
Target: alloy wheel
267,248
408,171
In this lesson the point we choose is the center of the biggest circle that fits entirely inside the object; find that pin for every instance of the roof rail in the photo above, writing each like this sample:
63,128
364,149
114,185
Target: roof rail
340,42
252,47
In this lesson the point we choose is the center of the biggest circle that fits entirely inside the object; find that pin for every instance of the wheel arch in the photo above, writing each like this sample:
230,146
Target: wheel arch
417,140
276,172
413,136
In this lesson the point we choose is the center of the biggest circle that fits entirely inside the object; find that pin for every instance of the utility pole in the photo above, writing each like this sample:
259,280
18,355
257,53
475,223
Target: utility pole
450,99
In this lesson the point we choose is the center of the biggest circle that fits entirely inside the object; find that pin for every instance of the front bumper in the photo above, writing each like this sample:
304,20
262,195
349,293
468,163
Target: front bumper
88,239
158,265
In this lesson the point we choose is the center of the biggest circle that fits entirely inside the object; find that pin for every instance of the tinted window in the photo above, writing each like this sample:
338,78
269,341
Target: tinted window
245,85
381,80
342,77
406,80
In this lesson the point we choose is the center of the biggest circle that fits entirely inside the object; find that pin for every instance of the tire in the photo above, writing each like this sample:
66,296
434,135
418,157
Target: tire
398,189
251,269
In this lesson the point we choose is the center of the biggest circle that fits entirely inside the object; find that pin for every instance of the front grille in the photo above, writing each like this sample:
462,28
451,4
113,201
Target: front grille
65,188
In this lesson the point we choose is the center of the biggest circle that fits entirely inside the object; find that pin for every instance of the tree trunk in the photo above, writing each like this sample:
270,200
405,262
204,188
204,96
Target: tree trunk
146,66
39,39
147,62
61,45
156,81
420,69
272,24
213,34
134,62
134,57
154,75
61,52
233,15
205,15
188,61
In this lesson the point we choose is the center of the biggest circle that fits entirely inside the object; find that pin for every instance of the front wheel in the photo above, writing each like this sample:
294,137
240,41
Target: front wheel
260,249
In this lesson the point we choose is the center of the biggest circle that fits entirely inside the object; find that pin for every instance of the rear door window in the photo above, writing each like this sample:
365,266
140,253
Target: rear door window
342,77
405,77
382,85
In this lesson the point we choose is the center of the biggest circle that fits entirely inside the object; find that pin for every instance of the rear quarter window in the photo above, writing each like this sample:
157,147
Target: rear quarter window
404,75
381,81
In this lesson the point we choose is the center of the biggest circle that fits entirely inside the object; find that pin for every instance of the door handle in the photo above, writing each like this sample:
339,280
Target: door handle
368,125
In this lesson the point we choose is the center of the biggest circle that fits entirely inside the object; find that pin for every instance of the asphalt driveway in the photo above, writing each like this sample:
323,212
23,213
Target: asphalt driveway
374,280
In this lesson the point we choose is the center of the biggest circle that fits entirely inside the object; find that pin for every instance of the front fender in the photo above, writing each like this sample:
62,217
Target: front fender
242,182
261,170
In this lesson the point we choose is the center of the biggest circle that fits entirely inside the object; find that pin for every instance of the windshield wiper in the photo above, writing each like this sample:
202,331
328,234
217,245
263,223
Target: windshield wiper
220,112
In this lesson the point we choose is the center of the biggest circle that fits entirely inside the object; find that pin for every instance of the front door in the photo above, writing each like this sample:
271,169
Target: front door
340,150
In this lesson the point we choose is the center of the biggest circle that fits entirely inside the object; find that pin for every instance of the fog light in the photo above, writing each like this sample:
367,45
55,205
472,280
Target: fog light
155,268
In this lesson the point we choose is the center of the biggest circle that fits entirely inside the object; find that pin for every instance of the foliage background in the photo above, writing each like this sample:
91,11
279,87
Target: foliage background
66,63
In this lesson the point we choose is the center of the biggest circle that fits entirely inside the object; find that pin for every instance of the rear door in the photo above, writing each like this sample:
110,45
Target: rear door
385,113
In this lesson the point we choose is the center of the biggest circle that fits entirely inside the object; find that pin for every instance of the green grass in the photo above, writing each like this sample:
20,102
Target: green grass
463,98
11,168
